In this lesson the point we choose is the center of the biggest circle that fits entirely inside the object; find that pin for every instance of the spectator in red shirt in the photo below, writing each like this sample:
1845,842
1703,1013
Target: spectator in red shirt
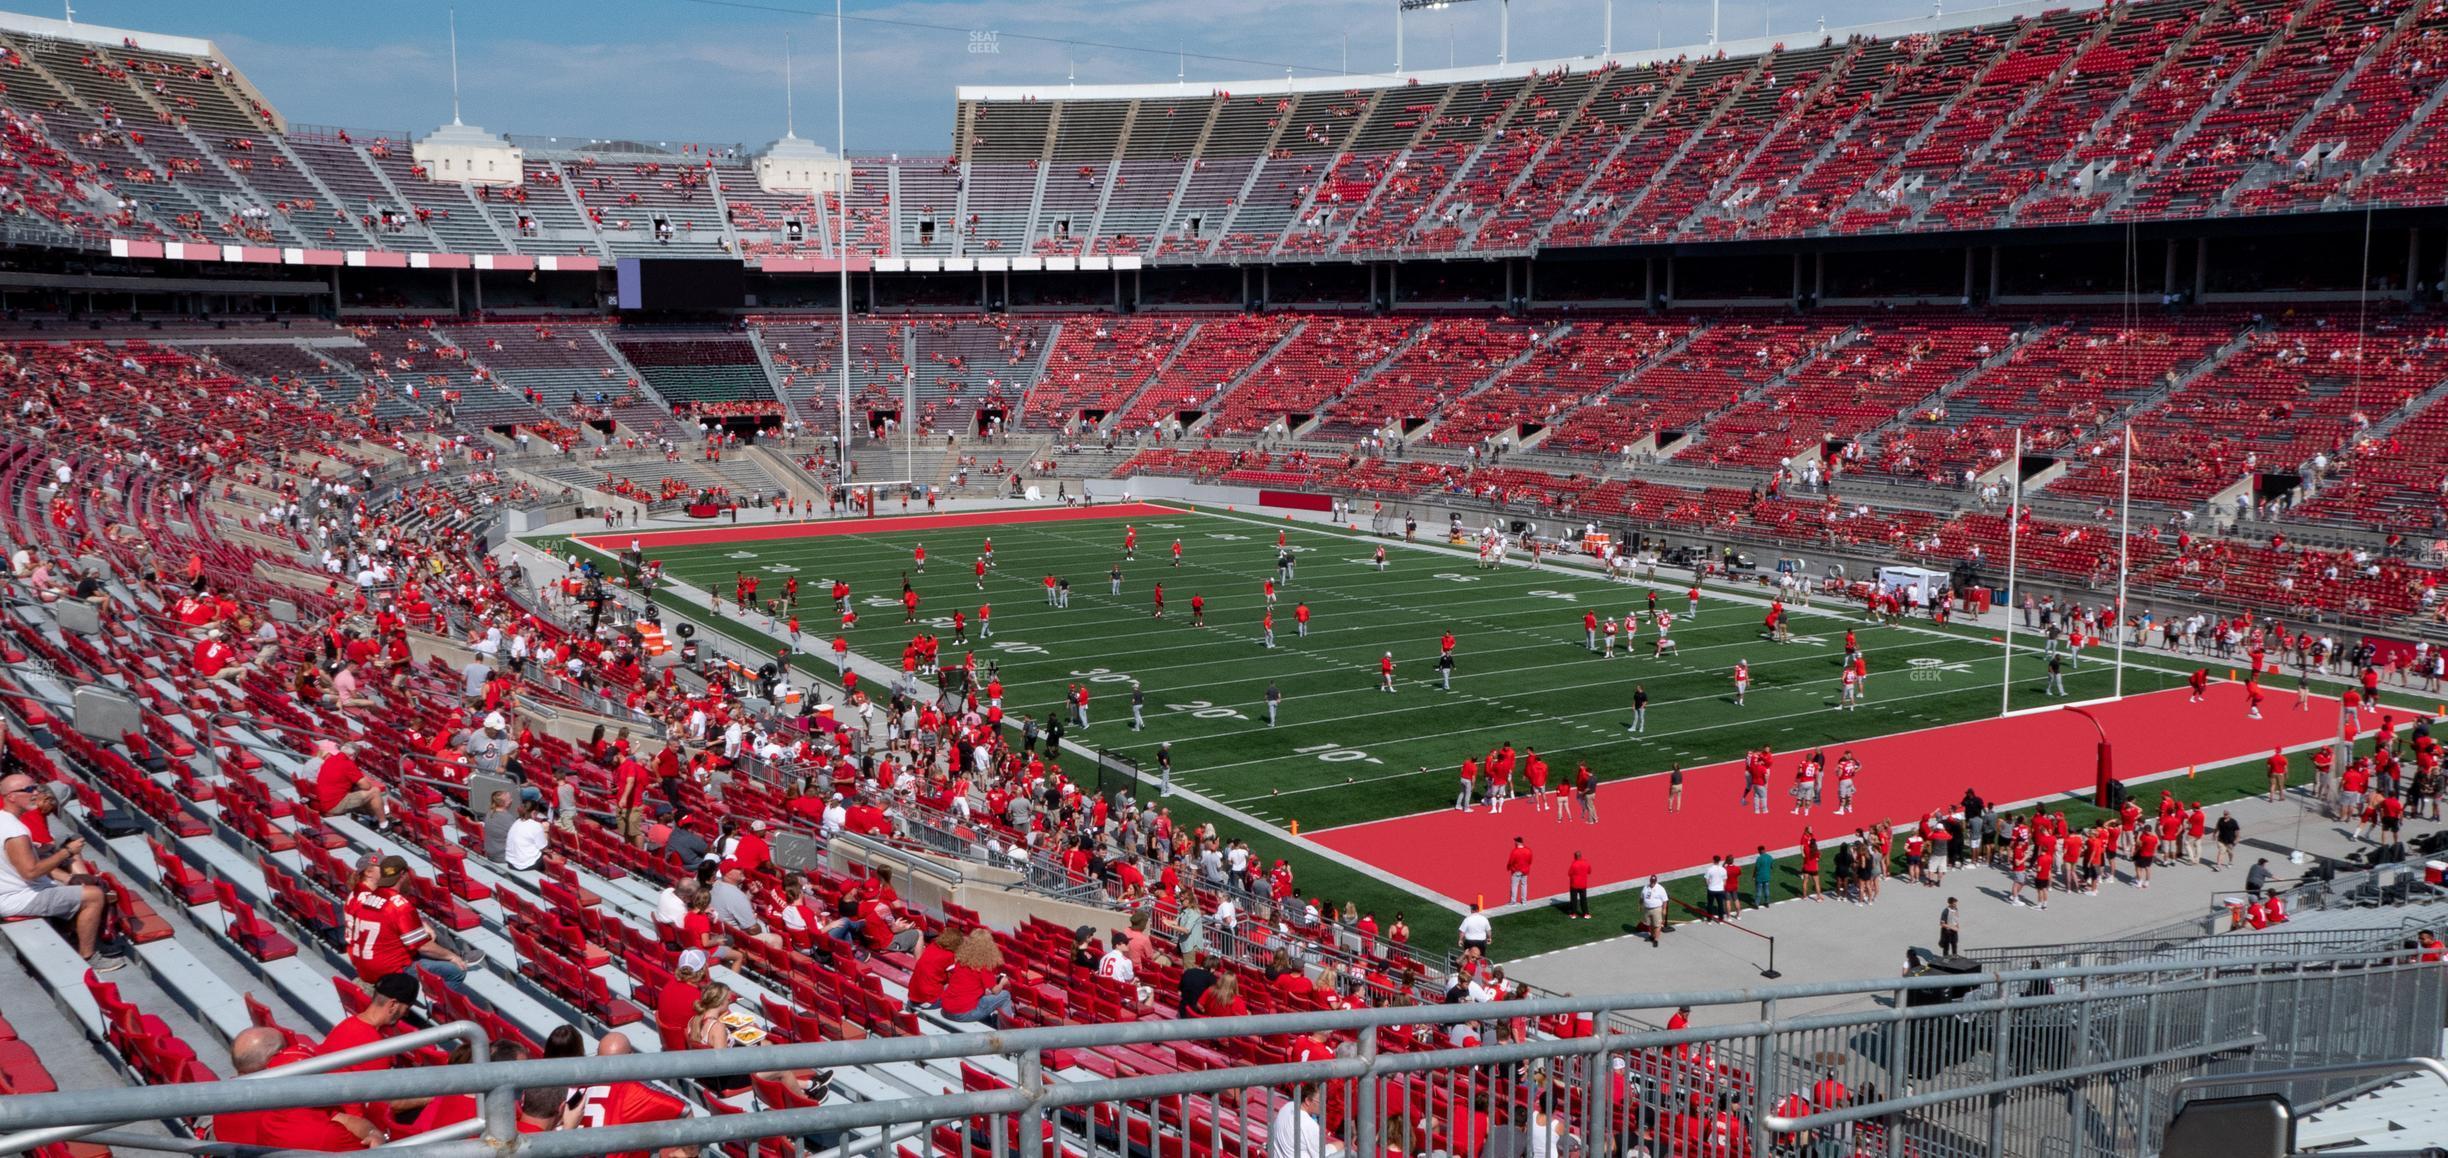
678,1000
977,989
343,789
452,1109
299,1128
393,996
214,658
385,934
626,1103
881,928
1223,999
933,968
629,797
749,851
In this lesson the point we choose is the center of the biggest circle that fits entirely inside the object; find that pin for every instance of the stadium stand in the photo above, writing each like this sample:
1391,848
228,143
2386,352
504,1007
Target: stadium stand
270,538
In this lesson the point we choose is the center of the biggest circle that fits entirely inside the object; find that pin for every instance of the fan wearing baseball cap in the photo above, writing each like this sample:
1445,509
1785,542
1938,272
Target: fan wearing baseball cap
385,933
677,1001
394,996
749,851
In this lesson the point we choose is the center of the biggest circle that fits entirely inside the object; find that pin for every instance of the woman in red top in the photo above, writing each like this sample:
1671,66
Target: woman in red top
933,968
697,928
1223,999
1810,866
976,990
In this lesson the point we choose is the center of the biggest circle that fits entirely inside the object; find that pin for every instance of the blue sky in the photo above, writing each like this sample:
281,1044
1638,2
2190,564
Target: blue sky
707,71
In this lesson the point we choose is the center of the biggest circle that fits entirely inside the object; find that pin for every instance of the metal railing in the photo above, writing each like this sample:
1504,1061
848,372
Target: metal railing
2197,947
2056,1062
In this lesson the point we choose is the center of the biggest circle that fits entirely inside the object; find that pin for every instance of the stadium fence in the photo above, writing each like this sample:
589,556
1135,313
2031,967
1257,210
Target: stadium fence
2058,1063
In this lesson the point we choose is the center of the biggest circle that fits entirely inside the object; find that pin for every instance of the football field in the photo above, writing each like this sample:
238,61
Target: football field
1343,753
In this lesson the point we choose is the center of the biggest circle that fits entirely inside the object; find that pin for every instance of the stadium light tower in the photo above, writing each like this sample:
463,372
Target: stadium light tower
1504,25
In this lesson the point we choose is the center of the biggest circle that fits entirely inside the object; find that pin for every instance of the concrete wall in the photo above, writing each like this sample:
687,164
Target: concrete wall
987,891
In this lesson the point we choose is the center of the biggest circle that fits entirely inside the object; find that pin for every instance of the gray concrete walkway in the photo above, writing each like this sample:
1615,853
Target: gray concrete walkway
1836,940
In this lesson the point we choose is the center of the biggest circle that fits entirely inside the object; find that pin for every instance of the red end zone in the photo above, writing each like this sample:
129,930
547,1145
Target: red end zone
1462,855
767,532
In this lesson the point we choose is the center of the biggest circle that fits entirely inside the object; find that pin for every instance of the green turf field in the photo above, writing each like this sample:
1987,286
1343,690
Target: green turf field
1343,751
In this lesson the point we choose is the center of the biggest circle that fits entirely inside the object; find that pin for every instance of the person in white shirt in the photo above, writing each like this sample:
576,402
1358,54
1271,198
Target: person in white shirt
1476,931
28,887
804,915
1296,1131
1653,911
835,815
524,850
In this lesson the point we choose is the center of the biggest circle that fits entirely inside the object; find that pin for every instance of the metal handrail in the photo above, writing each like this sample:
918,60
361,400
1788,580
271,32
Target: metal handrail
2430,1065
79,1110
1771,971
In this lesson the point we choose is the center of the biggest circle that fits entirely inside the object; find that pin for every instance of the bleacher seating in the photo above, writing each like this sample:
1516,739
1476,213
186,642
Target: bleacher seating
693,370
1323,360
2300,388
1876,377
2058,383
2065,117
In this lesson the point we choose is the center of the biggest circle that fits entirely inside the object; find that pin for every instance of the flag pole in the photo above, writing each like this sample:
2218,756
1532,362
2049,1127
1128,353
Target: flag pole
2124,556
2014,532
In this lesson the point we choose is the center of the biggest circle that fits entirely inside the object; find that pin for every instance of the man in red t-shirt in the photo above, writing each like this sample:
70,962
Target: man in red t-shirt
323,1128
1577,878
392,996
213,658
385,933
341,788
629,782
1517,866
750,853
626,1103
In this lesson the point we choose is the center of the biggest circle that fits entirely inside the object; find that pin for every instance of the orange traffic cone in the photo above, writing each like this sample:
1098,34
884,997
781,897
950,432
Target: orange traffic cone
2230,675
1296,828
2191,770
